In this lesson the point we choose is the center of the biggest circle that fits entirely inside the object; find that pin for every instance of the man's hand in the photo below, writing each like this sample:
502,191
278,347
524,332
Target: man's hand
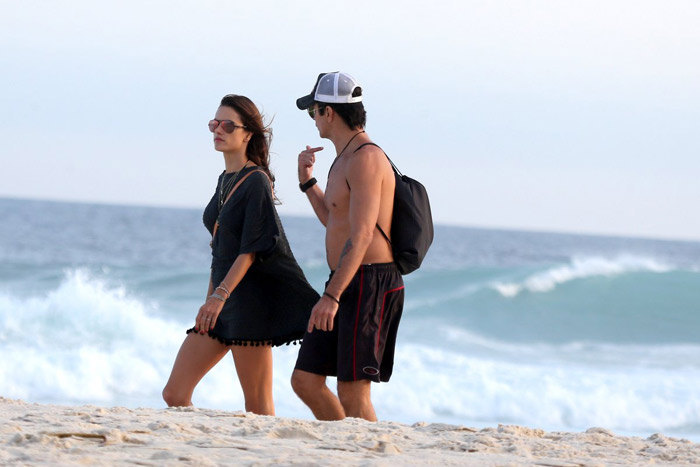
307,158
323,314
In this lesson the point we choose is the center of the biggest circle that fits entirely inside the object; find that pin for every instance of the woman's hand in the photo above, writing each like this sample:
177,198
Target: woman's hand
307,158
208,313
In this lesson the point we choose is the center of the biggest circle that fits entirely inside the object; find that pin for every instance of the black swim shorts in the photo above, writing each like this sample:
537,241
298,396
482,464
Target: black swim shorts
361,344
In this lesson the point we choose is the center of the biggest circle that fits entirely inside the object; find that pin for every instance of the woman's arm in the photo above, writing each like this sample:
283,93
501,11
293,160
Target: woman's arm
210,290
217,297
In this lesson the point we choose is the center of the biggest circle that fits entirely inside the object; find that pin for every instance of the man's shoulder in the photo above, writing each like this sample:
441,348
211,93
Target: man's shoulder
368,153
367,163
369,148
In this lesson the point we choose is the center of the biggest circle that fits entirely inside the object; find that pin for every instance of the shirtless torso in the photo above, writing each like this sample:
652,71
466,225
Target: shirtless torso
370,202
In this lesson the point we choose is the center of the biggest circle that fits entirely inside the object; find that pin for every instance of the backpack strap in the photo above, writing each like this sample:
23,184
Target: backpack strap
384,235
396,169
367,144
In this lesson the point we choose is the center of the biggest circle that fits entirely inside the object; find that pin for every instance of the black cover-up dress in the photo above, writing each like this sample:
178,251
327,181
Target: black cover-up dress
272,303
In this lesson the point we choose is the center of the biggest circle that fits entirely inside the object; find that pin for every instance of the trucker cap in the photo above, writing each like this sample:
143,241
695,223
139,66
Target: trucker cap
332,88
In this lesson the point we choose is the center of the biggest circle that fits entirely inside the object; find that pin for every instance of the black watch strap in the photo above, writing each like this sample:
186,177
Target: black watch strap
305,186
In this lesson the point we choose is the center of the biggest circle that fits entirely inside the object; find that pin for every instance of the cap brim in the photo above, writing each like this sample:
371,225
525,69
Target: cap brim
305,102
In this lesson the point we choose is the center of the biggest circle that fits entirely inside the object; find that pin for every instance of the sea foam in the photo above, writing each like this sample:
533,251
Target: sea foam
91,341
87,342
456,387
82,341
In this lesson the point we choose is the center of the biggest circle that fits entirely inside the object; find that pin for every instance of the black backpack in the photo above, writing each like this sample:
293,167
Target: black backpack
411,224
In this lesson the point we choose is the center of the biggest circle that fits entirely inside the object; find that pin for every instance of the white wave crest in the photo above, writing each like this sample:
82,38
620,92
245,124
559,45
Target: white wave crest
82,310
83,342
580,268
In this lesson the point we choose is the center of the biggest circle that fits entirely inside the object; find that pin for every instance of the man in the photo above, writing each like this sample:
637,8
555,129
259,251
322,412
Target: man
352,329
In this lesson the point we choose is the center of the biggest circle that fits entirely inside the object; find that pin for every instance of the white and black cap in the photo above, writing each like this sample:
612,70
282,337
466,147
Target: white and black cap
332,88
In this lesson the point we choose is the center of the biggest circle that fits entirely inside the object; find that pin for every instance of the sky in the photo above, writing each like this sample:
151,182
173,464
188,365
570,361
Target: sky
573,116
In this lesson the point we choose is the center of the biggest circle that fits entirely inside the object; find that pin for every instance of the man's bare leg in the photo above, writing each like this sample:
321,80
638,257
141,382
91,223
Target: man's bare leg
313,391
355,399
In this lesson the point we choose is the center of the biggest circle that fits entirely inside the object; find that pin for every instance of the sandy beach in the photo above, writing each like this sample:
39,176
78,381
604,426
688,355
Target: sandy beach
37,434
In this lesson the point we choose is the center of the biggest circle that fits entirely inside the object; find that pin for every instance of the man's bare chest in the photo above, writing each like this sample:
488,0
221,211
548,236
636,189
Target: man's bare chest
337,196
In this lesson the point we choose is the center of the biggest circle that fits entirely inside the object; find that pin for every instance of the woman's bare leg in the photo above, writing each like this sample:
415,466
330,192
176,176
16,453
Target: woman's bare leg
198,354
254,368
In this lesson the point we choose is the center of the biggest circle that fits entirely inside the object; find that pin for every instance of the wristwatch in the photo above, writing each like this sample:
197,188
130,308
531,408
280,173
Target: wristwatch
305,186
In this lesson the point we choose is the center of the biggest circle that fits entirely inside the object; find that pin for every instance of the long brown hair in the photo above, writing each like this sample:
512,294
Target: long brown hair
258,150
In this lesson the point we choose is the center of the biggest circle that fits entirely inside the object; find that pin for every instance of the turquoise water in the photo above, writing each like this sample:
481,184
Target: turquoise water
545,330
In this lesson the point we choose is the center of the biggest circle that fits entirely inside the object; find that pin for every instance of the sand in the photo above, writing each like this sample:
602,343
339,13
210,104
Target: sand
36,434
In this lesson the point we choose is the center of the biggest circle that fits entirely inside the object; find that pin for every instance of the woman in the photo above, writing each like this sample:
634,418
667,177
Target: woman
258,296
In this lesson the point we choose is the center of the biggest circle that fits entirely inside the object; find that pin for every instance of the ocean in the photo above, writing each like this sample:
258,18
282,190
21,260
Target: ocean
552,331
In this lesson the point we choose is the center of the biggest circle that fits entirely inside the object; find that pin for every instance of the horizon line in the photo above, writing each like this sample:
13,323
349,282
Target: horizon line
533,230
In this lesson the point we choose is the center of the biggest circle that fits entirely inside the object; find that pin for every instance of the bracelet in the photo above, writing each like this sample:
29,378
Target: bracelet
217,296
223,287
306,185
331,297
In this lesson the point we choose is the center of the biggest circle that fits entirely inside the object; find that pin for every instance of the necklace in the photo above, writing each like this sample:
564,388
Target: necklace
341,152
225,188
346,146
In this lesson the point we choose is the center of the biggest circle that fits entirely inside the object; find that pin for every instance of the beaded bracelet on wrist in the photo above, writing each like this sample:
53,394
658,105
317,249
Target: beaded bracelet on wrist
217,296
225,290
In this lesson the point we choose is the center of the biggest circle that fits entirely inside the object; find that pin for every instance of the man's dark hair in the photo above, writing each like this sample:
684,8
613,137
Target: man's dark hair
353,115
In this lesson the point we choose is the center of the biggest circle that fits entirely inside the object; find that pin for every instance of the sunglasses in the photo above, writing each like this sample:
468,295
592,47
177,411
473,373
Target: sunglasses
227,125
312,111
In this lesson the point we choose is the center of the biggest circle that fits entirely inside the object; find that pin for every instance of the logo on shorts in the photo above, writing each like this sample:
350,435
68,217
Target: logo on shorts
370,370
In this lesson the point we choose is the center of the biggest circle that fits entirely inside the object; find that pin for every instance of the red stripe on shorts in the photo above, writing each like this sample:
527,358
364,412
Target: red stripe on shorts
357,320
381,315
